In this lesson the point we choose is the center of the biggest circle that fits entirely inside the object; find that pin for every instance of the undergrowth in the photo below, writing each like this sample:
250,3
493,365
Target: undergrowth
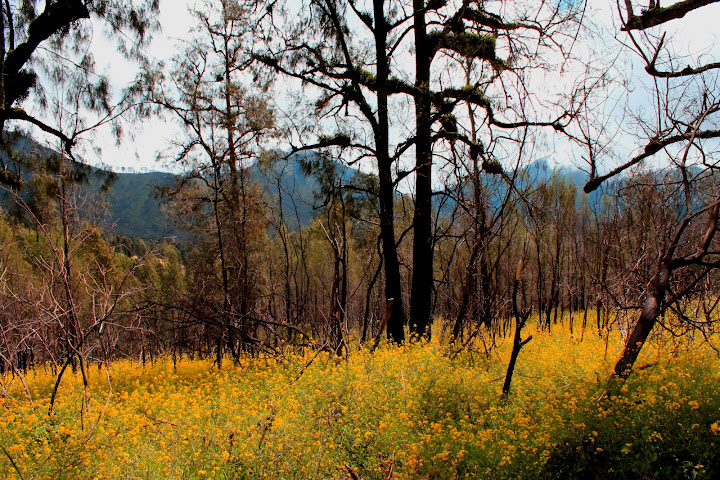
402,412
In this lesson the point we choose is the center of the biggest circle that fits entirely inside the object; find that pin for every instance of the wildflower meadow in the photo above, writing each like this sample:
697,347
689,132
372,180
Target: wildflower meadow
423,410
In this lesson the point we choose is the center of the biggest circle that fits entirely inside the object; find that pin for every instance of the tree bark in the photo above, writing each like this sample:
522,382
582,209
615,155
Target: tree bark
393,289
650,312
422,276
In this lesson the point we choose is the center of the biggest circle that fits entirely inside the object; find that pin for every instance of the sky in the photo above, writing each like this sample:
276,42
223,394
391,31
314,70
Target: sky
695,33
140,151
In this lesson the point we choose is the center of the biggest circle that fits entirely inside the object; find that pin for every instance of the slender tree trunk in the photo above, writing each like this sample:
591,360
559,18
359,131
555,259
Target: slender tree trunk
540,303
520,319
393,288
76,340
484,314
235,204
344,261
282,233
422,275
468,284
2,64
368,294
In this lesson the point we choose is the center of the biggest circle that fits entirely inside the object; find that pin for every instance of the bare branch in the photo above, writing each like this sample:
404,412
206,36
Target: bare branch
657,16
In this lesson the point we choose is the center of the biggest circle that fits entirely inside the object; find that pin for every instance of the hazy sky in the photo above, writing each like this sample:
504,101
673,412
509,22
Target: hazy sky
695,33
140,151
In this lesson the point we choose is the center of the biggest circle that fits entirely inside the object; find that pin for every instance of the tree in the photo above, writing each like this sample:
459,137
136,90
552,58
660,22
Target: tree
481,100
358,69
225,124
322,51
681,130
37,47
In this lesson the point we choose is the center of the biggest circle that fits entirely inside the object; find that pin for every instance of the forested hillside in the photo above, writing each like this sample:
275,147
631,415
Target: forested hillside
132,202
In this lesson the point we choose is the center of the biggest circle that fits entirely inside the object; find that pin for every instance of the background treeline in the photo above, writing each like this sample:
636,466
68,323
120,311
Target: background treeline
446,227
304,268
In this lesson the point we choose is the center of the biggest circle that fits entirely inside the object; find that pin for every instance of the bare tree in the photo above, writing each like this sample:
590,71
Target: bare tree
225,124
681,130
77,290
481,100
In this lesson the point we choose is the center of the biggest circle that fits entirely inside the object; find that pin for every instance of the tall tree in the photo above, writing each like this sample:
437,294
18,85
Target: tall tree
225,123
357,69
327,49
466,39
422,274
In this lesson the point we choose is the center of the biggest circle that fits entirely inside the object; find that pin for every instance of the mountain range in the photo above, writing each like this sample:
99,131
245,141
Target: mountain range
135,206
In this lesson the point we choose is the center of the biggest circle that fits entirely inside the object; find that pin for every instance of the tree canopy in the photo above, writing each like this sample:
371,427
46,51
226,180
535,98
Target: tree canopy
48,79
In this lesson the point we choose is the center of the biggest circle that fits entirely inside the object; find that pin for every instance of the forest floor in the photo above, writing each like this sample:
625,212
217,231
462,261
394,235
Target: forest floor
402,412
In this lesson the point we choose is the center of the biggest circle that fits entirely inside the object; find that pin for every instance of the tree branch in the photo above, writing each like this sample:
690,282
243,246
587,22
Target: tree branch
20,114
658,16
56,16
652,147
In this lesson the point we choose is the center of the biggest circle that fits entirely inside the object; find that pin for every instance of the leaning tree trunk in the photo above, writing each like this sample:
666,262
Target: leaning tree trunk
650,312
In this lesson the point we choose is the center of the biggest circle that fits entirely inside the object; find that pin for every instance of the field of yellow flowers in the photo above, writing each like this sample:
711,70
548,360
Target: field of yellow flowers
410,412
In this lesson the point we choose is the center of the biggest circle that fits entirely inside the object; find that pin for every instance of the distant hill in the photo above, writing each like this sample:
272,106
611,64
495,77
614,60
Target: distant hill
135,206
542,171
132,201
290,181
534,174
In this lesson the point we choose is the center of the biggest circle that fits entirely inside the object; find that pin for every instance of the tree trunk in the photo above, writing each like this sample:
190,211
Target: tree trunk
393,289
650,312
520,319
422,276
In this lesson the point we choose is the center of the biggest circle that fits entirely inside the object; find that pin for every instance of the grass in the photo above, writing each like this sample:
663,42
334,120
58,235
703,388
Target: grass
403,412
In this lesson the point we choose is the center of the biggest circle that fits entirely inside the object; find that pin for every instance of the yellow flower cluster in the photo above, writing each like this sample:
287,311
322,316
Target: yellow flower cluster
409,410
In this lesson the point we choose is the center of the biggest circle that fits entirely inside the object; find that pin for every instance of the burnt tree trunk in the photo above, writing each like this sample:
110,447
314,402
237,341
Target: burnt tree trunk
393,289
520,319
422,275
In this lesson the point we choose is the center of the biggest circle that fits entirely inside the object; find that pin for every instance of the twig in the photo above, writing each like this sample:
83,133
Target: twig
351,472
391,470
464,345
156,420
12,462
297,377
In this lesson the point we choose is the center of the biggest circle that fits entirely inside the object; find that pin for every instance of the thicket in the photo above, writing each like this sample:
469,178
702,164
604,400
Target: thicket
322,282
